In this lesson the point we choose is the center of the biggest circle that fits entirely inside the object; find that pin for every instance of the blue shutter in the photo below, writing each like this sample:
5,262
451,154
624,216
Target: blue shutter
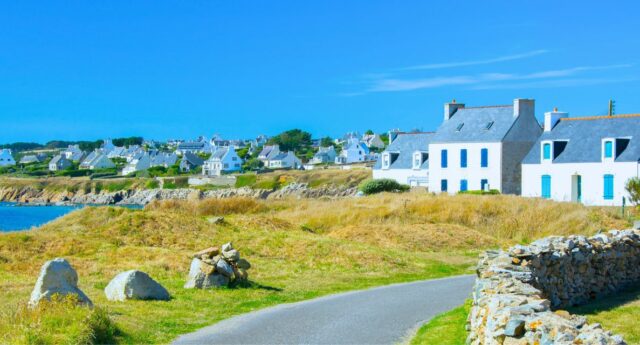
463,185
608,149
546,186
483,184
443,185
443,158
608,187
463,158
546,151
484,158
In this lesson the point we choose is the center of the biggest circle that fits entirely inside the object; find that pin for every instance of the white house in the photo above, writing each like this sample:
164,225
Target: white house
373,141
6,159
480,148
97,160
355,151
138,163
59,162
583,159
202,145
162,159
324,155
405,160
285,160
73,153
190,162
267,153
223,159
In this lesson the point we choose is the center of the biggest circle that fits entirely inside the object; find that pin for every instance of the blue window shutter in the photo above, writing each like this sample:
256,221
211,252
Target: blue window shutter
483,183
546,151
608,187
443,158
484,158
443,185
546,186
463,158
608,149
463,185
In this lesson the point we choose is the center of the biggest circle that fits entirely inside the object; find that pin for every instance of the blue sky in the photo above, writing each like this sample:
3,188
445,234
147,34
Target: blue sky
92,69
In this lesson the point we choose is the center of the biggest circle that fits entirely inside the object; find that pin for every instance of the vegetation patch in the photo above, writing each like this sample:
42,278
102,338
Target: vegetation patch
445,329
382,185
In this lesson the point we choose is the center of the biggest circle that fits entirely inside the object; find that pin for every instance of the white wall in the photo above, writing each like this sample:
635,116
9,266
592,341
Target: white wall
592,180
473,173
414,178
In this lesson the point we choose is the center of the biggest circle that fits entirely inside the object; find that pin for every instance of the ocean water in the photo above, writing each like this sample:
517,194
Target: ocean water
14,217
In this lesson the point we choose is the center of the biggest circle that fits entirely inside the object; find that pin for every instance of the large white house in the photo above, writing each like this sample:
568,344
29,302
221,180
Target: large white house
583,159
355,151
6,159
481,148
406,160
223,159
59,162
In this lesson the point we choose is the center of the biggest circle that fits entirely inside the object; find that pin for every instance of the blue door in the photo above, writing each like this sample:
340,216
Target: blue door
546,186
463,185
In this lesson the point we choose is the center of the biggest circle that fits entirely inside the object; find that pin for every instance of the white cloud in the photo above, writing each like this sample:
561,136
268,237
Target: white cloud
476,62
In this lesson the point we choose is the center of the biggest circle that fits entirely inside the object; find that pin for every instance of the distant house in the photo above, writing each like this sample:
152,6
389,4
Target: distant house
405,160
583,159
160,159
324,155
97,160
30,159
285,160
59,162
73,153
107,146
193,147
6,159
190,162
139,163
222,160
373,141
268,152
355,151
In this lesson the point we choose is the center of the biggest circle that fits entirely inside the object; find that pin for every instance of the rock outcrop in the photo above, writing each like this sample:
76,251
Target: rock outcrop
212,267
135,285
57,277
518,293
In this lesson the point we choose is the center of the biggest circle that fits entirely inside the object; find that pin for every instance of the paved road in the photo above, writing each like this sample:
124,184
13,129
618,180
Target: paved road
384,315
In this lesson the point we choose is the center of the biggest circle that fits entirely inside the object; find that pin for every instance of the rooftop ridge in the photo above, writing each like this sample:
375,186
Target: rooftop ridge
488,106
415,133
599,117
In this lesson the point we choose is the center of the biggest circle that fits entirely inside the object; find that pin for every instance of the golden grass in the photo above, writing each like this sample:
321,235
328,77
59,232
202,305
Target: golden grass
299,249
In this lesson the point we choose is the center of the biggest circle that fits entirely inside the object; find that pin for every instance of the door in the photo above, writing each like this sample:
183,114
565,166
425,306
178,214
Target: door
576,188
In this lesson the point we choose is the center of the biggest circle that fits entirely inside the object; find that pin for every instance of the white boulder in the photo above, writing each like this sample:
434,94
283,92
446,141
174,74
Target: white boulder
203,276
135,284
57,277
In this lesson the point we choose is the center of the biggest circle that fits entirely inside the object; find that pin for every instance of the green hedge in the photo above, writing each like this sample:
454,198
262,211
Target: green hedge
382,185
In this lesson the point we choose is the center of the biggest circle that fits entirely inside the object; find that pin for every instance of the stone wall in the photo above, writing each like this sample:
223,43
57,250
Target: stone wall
519,294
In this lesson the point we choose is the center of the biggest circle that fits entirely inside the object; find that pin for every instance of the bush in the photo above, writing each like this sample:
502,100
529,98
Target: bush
633,188
481,192
383,185
152,184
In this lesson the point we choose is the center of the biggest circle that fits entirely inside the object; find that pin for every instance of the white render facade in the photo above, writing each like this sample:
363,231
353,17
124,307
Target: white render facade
406,160
478,176
224,159
6,159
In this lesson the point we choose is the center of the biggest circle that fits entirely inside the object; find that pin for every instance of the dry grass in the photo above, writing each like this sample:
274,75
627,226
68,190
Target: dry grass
299,249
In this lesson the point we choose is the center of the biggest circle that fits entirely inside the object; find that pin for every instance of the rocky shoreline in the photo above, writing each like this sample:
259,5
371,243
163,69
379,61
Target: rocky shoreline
33,196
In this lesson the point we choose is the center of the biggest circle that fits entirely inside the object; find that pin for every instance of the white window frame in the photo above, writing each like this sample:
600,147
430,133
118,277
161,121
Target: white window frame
386,160
550,159
416,155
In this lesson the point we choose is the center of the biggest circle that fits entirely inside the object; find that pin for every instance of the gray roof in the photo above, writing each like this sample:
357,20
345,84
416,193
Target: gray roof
470,125
192,159
584,139
219,153
405,144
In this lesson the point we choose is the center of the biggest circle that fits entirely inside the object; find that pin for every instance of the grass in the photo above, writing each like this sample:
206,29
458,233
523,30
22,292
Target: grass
445,329
299,249
314,178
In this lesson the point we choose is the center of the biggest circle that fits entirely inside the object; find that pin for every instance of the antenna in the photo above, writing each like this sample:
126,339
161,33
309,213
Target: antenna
612,107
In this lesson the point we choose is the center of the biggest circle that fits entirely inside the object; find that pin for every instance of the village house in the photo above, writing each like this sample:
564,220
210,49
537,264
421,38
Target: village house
373,141
268,152
6,159
405,160
163,159
59,162
138,163
97,160
190,162
324,155
222,160
355,151
73,153
481,148
30,159
199,146
285,160
583,159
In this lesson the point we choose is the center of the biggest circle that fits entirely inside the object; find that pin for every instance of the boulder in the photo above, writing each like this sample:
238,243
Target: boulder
57,277
216,220
227,247
231,255
243,264
225,269
135,285
209,252
202,276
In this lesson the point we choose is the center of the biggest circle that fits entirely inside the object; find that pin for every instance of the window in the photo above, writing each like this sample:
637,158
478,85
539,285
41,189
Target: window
234,158
484,183
443,158
443,185
463,185
484,158
546,151
463,158
385,160
608,187
608,149
417,160
489,125
459,127
546,186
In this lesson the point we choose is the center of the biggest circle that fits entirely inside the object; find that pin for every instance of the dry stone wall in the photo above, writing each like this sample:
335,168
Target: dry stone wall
519,294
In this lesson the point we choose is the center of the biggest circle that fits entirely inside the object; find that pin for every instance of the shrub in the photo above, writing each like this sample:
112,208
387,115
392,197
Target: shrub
481,192
382,185
633,188
152,184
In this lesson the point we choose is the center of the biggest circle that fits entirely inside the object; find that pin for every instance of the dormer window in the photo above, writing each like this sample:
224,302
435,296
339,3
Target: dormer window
608,149
386,160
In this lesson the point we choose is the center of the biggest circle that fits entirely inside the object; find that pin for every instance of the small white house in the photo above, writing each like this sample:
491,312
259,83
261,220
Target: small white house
324,155
285,160
267,153
6,159
73,153
222,160
190,162
583,159
138,163
59,162
97,160
405,160
355,151
481,148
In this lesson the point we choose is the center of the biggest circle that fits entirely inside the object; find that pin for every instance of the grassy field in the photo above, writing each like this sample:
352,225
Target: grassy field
314,178
445,329
299,249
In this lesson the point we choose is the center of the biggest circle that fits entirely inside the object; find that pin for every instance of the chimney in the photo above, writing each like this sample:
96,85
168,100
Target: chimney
552,117
392,135
523,106
451,108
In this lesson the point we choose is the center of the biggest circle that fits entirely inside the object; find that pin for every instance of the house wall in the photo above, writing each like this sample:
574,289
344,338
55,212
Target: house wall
516,145
562,185
411,177
473,173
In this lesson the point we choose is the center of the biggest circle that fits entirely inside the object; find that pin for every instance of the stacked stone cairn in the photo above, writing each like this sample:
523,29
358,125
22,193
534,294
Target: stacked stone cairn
519,294
213,267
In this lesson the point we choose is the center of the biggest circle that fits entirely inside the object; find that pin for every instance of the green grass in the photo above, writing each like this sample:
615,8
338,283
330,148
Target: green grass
445,329
245,180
